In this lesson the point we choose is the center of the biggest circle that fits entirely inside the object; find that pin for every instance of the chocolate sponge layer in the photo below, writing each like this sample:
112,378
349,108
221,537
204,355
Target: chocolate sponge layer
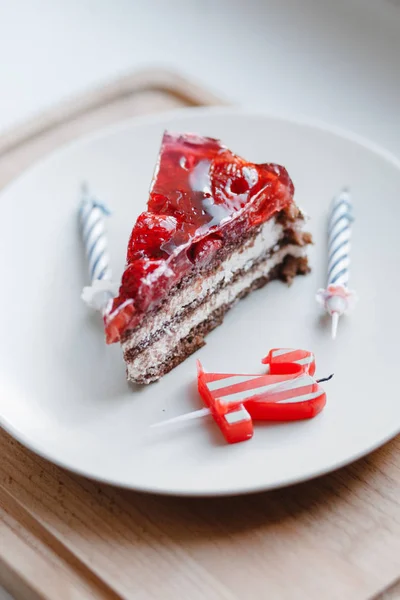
285,271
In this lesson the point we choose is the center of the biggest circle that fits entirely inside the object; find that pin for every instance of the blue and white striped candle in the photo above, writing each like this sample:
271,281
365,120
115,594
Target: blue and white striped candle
339,236
91,217
337,299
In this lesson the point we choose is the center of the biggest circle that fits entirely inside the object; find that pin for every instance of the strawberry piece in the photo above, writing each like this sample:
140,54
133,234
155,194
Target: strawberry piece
150,234
146,280
203,252
231,180
117,320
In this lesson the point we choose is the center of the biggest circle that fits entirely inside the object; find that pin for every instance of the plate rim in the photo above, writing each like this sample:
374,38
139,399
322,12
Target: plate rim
186,493
138,121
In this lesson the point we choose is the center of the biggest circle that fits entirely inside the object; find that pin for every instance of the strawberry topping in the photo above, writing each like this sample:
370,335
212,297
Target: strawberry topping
202,195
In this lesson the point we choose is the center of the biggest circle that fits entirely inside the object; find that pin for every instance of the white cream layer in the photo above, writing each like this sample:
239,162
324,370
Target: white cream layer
269,235
159,351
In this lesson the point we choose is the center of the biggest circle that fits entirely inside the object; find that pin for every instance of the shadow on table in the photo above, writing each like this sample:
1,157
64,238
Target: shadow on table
78,510
198,518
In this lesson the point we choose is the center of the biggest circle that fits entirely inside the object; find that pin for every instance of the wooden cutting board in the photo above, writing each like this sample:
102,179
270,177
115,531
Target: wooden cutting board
65,537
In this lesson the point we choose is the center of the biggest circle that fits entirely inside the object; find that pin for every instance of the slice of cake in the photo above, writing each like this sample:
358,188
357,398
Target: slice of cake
216,228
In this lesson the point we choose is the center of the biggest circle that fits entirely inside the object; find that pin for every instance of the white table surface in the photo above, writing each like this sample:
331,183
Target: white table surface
335,61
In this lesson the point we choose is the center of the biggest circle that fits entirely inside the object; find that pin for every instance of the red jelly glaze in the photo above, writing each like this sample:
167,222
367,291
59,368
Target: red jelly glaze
201,195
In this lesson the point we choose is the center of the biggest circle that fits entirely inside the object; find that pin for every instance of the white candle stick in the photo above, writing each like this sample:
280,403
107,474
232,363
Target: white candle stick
337,299
196,414
91,217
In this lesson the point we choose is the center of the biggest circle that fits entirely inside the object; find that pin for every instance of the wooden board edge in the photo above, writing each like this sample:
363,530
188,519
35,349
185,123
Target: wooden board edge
53,571
191,93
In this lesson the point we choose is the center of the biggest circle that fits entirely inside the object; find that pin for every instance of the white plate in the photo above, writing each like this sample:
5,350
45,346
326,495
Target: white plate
64,392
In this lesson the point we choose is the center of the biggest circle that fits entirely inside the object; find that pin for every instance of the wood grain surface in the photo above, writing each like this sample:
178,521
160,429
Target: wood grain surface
65,537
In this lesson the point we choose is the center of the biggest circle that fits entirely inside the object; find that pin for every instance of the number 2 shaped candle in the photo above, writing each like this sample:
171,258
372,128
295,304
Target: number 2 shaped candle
287,392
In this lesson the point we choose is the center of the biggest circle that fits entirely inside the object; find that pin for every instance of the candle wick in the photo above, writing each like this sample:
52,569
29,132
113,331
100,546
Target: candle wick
325,378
